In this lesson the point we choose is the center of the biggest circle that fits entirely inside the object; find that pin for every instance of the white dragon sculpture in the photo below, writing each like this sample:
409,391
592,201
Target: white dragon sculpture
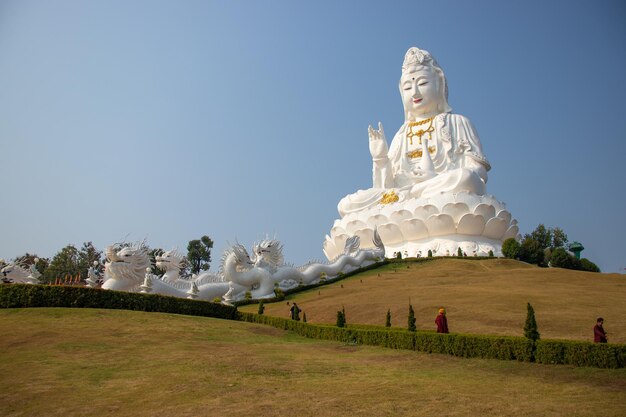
261,276
17,274
128,269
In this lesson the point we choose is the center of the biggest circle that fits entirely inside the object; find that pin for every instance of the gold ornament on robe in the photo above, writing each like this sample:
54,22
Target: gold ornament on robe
390,197
418,152
413,131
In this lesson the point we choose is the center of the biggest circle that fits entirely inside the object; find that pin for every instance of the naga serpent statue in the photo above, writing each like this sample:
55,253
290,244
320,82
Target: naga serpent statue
128,269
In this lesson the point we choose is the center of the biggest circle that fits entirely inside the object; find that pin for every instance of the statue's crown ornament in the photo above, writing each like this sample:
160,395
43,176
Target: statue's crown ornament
415,56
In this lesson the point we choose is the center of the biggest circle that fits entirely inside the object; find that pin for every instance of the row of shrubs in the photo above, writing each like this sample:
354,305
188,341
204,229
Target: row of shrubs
24,295
463,345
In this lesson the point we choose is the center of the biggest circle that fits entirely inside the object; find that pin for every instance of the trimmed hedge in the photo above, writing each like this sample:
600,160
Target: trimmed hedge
24,295
467,346
597,355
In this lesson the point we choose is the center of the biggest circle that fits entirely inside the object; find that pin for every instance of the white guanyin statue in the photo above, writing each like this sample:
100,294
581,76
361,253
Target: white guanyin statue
429,186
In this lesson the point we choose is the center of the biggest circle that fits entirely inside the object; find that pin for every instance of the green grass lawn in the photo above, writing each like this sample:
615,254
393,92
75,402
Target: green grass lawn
84,362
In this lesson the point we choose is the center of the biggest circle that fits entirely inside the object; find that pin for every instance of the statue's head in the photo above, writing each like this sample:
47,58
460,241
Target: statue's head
423,85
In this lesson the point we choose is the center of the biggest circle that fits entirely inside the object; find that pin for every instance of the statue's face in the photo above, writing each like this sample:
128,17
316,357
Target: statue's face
420,91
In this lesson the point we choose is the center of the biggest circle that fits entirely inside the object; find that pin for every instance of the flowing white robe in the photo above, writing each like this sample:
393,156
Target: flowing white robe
457,157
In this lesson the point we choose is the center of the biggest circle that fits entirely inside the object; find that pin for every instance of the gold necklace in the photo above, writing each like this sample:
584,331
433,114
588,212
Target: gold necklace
411,133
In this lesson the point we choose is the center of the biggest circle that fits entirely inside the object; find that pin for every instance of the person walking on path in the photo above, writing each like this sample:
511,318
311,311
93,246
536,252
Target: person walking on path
599,335
295,312
441,321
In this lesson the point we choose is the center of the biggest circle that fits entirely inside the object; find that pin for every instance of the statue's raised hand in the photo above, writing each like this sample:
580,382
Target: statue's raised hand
378,142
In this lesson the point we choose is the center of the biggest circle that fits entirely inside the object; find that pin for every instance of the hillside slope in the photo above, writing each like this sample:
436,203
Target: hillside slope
480,296
88,362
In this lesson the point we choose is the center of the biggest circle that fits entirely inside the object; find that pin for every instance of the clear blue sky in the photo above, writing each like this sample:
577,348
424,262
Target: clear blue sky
168,120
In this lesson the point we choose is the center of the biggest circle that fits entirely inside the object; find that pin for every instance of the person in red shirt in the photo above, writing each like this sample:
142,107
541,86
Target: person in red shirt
599,335
441,321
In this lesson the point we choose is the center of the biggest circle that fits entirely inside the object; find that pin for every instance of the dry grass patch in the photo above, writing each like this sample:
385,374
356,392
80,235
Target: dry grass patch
60,362
482,297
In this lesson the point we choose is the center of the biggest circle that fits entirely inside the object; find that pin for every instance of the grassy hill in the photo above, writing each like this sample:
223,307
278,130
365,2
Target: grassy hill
89,362
480,296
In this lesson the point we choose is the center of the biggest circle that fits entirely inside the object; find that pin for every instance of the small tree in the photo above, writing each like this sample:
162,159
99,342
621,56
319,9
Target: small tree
388,319
304,317
559,238
459,252
531,251
261,307
430,253
530,327
542,235
280,295
411,320
491,253
199,254
341,319
587,265
559,258
65,263
511,248
399,255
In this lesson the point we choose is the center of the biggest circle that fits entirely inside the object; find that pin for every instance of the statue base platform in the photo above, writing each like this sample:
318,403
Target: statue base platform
441,223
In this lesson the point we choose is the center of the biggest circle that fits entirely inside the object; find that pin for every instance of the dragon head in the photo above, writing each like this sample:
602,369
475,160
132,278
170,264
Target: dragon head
127,262
239,255
170,260
13,273
269,251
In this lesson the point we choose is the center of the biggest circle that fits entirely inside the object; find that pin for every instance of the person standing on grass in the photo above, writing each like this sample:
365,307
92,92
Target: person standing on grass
599,335
295,312
441,321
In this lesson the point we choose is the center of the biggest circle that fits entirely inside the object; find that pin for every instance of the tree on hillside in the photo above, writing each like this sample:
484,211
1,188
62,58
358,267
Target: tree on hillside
65,263
531,251
411,319
388,319
560,258
199,254
341,318
530,327
587,265
543,236
559,238
511,248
